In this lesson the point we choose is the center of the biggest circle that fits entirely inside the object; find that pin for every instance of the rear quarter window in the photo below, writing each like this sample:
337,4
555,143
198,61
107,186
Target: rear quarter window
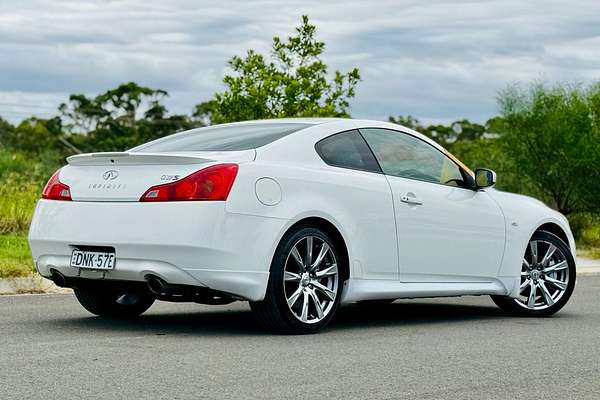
347,150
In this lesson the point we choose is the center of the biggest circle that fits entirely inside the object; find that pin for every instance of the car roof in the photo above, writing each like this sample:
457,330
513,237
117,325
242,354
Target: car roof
335,125
304,121
359,123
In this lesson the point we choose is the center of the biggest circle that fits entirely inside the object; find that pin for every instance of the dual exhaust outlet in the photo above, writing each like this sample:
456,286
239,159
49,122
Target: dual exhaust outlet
160,288
155,284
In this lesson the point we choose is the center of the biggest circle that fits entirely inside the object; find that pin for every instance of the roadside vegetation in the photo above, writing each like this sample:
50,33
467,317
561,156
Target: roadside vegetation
15,257
544,142
22,177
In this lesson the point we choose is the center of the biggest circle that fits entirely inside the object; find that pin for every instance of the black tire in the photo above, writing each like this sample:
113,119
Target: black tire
511,306
112,303
273,313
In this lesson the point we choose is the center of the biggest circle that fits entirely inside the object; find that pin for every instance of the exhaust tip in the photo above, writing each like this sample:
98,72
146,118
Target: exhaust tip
156,285
58,279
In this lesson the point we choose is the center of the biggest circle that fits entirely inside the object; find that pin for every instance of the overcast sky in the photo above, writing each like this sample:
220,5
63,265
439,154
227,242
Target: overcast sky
436,60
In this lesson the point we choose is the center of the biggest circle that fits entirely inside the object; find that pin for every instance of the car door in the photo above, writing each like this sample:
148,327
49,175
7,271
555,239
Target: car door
446,231
366,209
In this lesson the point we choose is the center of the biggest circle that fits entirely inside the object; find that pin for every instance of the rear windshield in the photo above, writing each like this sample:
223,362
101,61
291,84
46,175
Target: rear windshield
222,138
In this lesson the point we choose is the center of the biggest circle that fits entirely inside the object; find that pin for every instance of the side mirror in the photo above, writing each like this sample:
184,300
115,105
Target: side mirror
484,178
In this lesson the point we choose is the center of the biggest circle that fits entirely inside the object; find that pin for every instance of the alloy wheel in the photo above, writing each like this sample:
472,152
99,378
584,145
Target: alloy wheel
544,275
310,279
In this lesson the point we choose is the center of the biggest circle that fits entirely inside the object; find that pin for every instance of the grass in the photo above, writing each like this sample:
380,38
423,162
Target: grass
15,257
16,207
17,203
22,177
589,252
21,180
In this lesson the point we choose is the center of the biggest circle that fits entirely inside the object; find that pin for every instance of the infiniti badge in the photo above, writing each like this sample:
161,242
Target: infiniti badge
111,174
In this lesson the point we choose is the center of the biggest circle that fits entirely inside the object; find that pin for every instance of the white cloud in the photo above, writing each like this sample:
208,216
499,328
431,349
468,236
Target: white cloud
438,60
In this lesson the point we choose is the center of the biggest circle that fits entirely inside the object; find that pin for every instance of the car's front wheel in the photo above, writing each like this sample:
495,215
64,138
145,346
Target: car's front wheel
547,278
305,285
107,303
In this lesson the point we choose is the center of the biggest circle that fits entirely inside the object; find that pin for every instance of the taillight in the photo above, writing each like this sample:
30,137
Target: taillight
212,183
56,190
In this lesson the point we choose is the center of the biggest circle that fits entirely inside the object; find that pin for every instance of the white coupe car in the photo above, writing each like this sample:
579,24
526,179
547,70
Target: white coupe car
296,216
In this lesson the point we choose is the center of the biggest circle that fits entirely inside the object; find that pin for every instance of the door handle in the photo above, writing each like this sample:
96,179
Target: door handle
411,199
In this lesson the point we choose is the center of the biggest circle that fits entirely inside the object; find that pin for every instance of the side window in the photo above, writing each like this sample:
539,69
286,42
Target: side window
406,156
347,150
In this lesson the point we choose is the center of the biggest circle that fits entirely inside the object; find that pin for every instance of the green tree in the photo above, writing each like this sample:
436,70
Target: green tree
293,82
553,137
489,153
478,146
6,130
118,107
446,135
120,118
32,135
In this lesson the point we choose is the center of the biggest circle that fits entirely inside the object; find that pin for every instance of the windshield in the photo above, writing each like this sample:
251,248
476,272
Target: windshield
222,138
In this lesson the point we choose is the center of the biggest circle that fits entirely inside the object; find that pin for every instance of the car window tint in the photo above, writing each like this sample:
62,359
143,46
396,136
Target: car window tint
403,155
222,138
347,150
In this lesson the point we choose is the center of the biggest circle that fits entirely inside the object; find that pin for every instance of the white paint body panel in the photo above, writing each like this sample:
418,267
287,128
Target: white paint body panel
455,235
459,242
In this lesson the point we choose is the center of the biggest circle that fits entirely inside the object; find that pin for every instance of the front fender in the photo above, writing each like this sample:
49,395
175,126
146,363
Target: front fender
523,217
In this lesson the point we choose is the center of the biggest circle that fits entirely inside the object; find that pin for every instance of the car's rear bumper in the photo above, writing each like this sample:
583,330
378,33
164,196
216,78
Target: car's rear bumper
186,243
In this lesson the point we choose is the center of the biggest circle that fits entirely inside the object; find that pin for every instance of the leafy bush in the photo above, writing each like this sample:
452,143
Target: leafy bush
553,136
15,257
586,228
22,178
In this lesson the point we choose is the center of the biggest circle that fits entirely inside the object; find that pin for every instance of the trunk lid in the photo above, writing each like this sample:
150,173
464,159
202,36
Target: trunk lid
125,176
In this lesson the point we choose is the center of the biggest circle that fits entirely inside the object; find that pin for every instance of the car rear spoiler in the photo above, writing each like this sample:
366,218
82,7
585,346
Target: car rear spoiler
126,158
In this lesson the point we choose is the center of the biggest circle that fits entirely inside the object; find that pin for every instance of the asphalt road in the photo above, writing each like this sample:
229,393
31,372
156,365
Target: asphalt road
463,348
